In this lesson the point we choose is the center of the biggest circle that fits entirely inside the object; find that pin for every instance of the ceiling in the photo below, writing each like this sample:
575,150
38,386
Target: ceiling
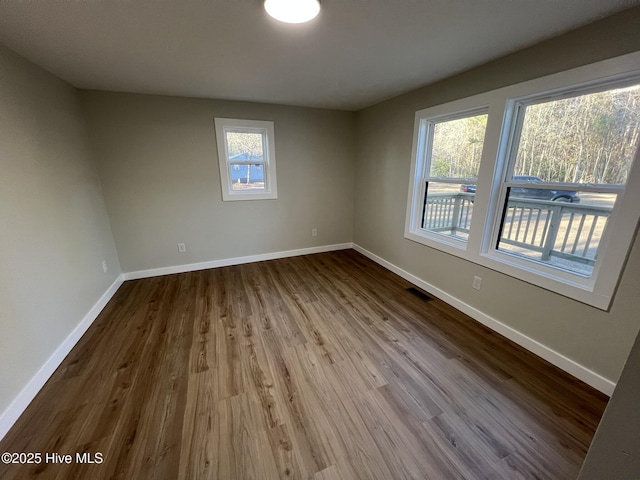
355,54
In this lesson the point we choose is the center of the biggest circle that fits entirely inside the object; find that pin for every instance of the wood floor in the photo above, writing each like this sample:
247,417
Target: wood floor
316,367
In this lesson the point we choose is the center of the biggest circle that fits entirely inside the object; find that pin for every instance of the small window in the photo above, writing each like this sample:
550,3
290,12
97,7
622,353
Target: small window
246,156
450,149
569,163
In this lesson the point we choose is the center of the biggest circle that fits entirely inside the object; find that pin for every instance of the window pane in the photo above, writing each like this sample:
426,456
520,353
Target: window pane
244,146
562,233
585,139
448,208
457,147
246,176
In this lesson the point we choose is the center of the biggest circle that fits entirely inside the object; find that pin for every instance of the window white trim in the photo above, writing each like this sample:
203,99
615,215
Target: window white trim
425,121
599,289
266,129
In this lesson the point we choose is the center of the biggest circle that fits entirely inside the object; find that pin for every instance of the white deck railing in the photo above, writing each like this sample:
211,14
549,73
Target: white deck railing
562,230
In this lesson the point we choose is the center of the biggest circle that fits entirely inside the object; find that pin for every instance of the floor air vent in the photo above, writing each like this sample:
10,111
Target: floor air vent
419,293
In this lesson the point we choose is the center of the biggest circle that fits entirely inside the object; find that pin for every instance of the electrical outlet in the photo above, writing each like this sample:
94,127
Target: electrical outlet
314,232
477,283
182,248
104,266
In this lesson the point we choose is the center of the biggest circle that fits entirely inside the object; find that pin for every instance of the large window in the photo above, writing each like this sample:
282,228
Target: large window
452,150
538,180
246,156
447,160
569,162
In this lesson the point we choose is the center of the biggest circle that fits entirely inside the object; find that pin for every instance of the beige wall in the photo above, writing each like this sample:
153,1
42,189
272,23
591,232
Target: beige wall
159,170
598,340
54,230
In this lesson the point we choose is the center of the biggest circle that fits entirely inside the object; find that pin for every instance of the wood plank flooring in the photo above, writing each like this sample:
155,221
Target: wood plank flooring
316,367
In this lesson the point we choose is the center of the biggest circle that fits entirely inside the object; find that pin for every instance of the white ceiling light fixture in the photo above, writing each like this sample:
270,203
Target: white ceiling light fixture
292,11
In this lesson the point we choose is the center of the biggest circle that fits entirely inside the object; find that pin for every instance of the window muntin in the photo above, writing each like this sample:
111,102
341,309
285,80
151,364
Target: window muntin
452,149
246,156
569,162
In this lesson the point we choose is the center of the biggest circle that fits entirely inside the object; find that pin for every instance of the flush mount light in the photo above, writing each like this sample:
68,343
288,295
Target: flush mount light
292,11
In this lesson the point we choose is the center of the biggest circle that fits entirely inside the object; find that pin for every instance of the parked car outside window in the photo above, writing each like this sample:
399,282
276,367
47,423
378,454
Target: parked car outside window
535,193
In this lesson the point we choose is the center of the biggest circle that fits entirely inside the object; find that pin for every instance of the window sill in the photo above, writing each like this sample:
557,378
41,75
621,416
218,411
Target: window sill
563,283
240,196
443,243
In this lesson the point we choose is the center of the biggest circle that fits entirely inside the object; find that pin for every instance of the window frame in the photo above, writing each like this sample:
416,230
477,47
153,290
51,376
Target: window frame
517,107
267,130
424,128
599,289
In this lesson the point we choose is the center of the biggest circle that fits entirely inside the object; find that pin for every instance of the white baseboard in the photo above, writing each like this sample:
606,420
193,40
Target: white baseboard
192,267
581,372
28,393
